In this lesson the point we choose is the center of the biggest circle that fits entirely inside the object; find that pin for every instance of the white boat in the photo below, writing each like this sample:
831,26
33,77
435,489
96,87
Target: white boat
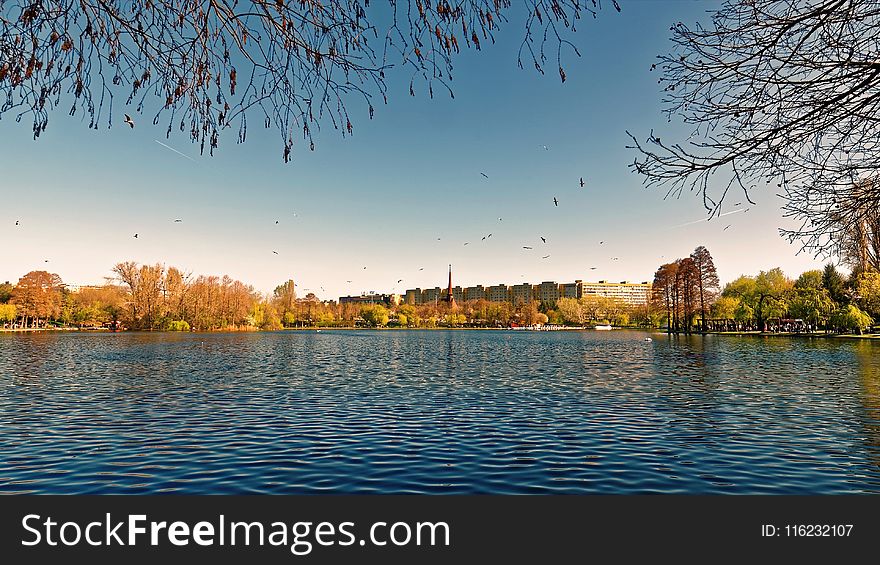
602,327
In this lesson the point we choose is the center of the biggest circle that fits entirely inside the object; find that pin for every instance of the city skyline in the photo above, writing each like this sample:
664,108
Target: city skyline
421,170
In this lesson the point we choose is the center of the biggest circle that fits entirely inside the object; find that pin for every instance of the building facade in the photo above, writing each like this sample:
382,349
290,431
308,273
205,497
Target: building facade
633,294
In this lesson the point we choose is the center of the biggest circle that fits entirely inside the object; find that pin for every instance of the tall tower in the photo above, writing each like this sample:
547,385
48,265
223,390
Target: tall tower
449,298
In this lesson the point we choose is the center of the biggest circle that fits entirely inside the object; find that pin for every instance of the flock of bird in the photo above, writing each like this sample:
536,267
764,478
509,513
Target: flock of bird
130,122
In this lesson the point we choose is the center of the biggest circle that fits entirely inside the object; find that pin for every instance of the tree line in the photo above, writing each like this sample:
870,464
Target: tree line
687,295
156,297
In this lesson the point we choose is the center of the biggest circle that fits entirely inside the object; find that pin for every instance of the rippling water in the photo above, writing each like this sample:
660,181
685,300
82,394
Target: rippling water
437,412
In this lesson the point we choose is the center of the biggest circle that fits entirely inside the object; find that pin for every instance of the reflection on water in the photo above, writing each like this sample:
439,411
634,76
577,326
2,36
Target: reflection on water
437,412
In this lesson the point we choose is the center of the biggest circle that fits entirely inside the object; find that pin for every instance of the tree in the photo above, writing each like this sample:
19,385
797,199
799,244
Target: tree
776,92
707,280
868,291
724,307
7,313
375,315
663,293
37,296
205,67
810,299
5,292
850,317
833,282
685,292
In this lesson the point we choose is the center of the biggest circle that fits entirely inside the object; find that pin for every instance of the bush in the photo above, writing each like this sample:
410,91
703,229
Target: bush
177,326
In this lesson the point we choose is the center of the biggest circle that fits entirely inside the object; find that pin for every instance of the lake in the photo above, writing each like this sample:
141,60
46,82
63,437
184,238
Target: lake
437,412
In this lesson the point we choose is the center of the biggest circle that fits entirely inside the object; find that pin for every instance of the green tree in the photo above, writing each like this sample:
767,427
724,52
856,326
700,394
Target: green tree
835,284
7,313
868,290
850,318
724,307
375,315
5,292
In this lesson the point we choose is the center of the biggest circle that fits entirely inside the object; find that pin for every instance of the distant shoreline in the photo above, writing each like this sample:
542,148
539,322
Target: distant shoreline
350,328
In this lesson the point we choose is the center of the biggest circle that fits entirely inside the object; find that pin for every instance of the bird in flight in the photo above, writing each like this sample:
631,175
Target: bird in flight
466,242
399,281
276,221
365,268
545,257
178,220
545,148
485,175
592,268
129,121
526,247
727,226
499,219
490,235
135,236
348,281
582,182
555,202
275,252
484,238
421,268
615,258
45,260
543,239
16,222
738,204
601,242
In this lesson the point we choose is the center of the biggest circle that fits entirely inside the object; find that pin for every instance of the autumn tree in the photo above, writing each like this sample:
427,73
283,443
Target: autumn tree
779,94
663,293
707,281
37,296
206,68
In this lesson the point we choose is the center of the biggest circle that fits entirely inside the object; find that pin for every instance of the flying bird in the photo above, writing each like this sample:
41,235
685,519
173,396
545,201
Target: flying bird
526,247
499,219
466,242
490,235
555,202
738,204
592,268
129,121
399,281
178,220
45,260
276,221
348,281
545,148
615,258
365,268
727,226
484,238
582,182
485,175
545,257
135,236
421,268
16,222
543,239
275,252
601,242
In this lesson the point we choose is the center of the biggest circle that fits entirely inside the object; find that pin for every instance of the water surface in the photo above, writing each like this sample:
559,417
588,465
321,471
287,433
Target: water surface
437,412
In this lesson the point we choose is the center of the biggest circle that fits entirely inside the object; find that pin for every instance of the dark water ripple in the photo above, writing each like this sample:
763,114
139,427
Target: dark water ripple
437,412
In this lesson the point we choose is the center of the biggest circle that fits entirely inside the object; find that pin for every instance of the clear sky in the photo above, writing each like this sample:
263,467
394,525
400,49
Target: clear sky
382,198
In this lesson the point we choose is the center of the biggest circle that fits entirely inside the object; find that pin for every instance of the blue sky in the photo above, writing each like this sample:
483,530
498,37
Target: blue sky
381,198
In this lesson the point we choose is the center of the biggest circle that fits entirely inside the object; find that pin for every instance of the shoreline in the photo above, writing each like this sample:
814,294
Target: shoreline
868,336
